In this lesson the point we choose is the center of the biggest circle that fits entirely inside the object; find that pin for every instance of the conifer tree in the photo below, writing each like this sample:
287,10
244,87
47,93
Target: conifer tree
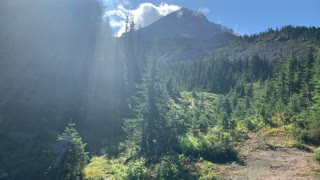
291,74
308,86
152,132
71,155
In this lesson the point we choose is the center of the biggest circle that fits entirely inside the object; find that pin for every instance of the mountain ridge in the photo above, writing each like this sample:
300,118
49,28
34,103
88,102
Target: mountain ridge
182,35
183,23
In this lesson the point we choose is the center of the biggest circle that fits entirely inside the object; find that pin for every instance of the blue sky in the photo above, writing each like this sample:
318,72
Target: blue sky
244,16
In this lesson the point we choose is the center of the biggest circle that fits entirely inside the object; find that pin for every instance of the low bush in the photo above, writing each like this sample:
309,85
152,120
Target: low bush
137,170
174,167
215,146
96,169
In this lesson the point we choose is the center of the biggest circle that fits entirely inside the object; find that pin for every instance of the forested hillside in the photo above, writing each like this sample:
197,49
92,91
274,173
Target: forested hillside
78,103
190,116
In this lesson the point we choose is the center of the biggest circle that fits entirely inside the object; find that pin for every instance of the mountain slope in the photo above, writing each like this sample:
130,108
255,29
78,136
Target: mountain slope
183,23
273,44
182,35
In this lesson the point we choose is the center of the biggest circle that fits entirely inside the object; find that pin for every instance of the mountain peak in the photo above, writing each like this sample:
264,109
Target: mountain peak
185,13
183,23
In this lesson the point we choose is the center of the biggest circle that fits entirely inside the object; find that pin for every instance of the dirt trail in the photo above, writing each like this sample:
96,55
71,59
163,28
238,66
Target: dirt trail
270,159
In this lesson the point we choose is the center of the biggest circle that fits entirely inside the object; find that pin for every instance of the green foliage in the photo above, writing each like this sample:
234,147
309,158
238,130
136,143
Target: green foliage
174,167
215,146
286,33
149,129
207,171
295,105
167,168
96,169
251,93
71,155
308,125
137,170
118,170
104,168
219,75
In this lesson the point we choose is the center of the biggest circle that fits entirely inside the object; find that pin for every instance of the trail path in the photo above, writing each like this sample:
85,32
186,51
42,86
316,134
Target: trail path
271,159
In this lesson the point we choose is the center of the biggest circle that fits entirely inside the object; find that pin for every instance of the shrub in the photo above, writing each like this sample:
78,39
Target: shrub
207,171
96,169
215,146
167,168
101,168
119,171
71,155
174,167
307,128
137,170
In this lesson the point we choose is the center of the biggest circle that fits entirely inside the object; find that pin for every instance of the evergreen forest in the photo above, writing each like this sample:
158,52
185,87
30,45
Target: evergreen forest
79,103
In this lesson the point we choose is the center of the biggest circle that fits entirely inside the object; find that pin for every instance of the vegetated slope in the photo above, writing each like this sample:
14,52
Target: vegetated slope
258,56
267,154
264,90
201,142
64,78
272,44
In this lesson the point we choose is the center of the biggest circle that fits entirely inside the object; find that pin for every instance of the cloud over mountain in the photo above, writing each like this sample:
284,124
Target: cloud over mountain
144,15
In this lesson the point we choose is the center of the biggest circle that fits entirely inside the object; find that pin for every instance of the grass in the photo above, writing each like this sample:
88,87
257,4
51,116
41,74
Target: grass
100,167
317,154
97,168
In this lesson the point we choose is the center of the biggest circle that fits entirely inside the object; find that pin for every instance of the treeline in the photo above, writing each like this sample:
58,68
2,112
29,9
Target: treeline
286,33
287,87
218,75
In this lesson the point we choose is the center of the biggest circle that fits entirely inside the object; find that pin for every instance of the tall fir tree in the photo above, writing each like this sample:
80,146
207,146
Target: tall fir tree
152,134
71,155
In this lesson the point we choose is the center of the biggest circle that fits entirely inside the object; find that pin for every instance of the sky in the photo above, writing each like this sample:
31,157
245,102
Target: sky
243,16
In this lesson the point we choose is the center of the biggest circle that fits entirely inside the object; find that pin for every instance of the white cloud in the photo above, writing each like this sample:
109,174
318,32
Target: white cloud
144,15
